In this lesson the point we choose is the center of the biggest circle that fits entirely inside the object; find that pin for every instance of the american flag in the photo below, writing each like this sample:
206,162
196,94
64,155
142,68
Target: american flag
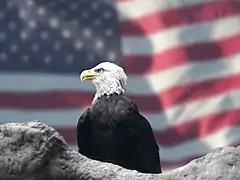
182,58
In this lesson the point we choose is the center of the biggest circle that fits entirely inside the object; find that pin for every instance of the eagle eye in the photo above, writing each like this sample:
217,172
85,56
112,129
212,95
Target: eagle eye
100,70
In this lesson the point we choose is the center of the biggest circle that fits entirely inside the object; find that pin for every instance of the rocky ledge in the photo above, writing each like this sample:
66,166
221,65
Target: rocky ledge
35,151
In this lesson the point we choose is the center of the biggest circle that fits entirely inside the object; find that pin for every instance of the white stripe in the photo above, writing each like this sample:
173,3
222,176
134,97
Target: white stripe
224,137
160,121
51,117
184,35
191,73
138,8
63,117
147,84
188,112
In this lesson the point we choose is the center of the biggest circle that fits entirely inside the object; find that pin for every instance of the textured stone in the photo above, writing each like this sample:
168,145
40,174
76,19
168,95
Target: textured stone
35,151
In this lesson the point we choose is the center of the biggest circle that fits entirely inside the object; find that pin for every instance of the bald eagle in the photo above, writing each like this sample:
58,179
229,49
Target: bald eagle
112,128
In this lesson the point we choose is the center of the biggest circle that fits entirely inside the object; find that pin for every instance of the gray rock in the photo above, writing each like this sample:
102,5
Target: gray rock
35,151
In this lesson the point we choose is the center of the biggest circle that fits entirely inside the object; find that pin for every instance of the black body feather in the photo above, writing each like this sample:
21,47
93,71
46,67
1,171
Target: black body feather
112,130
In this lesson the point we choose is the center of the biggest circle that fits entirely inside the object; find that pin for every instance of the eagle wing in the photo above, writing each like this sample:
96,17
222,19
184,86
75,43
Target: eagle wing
146,147
83,133
143,146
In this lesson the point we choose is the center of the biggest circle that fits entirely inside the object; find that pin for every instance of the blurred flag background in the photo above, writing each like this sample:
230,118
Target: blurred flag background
182,58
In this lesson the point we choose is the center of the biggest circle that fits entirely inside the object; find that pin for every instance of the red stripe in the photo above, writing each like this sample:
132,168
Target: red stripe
61,100
186,15
178,134
182,55
45,100
68,132
197,91
146,103
198,128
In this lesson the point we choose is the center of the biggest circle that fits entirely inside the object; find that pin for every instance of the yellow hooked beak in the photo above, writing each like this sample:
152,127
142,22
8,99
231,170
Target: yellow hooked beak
87,75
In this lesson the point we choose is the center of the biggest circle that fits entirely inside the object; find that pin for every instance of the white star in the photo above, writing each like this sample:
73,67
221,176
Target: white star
32,24
111,56
47,59
85,14
108,32
63,13
109,2
78,44
14,48
97,22
30,3
99,44
2,36
22,13
3,56
94,6
73,6
57,45
66,33
51,4
10,4
53,22
35,47
90,57
87,32
107,15
44,35
23,35
69,59
41,11
25,58
12,25
75,22
2,14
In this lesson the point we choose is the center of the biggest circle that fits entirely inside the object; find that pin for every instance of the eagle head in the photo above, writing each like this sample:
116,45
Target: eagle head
107,77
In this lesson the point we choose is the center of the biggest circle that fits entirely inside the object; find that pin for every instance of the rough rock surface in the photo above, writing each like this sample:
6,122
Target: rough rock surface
35,151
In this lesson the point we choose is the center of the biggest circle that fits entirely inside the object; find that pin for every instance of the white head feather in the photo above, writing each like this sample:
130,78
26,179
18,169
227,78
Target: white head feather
108,78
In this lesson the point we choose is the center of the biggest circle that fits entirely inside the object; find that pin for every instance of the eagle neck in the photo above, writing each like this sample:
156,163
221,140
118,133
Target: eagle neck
108,88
